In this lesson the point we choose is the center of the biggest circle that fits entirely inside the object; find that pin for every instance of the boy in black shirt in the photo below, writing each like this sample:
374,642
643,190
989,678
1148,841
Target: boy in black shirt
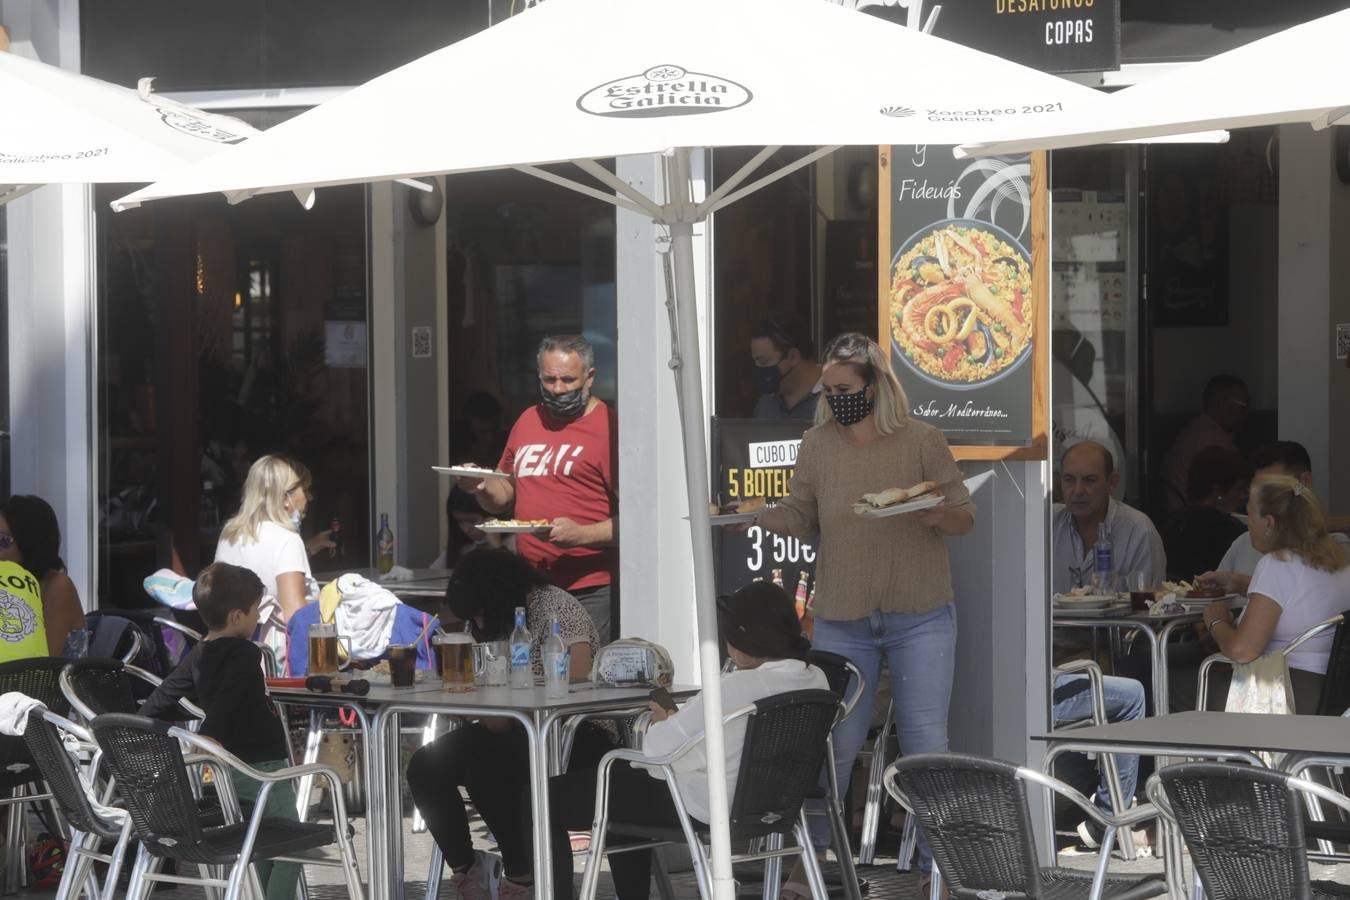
223,675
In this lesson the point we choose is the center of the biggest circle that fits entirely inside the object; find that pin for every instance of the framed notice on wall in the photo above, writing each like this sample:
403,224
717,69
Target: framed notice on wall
964,295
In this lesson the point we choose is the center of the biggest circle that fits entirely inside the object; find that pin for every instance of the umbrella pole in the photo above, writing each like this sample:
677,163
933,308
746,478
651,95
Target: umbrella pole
689,383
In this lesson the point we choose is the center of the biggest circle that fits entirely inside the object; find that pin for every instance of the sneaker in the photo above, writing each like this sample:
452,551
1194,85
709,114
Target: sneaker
1090,834
514,890
475,882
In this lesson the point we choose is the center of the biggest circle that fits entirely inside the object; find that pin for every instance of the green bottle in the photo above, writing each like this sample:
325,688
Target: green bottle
384,540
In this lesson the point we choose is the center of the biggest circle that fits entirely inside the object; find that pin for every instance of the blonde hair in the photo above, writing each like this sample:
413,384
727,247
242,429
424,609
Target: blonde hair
864,356
269,479
1300,526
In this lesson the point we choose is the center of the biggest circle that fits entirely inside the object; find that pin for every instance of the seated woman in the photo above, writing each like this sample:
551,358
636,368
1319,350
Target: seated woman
1302,579
31,537
264,535
490,757
765,641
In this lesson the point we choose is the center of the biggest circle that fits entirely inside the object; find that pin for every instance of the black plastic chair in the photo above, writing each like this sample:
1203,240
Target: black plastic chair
1244,827
781,758
146,759
91,821
979,828
20,778
1335,699
94,687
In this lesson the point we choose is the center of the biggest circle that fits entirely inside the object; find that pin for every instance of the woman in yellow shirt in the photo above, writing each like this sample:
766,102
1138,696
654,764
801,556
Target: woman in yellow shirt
31,537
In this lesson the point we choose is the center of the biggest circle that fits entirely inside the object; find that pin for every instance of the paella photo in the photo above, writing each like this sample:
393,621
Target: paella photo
961,303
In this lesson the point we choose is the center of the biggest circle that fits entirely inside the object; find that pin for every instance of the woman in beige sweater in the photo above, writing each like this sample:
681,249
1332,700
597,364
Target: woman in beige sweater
883,586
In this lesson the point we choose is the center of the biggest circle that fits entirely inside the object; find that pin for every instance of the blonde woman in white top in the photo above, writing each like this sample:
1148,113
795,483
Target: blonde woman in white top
264,535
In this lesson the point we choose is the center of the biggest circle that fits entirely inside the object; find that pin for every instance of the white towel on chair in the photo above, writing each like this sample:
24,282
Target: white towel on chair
365,614
14,710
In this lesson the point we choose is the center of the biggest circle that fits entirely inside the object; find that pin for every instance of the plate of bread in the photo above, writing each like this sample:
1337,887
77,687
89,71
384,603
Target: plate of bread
736,513
898,501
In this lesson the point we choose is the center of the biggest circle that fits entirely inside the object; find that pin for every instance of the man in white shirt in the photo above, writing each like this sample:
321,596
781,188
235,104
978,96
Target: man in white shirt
1234,573
1087,475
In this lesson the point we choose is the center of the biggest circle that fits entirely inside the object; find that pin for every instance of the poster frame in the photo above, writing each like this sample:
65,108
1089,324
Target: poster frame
1038,449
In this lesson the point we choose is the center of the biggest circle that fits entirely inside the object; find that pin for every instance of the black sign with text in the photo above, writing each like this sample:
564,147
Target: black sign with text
1050,35
756,458
959,300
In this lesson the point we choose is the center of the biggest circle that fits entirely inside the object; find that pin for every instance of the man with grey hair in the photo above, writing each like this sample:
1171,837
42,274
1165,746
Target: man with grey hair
560,456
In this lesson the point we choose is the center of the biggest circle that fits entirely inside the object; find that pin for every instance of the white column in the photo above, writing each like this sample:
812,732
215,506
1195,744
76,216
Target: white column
52,302
656,565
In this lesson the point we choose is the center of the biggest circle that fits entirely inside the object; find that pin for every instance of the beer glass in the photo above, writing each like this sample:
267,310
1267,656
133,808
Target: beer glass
456,649
323,649
491,664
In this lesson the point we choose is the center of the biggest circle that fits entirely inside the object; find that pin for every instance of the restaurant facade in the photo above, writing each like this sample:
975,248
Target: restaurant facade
153,354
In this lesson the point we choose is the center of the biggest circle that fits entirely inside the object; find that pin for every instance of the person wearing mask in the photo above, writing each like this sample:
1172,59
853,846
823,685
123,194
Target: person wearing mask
1087,477
1198,535
764,640
787,376
1234,572
488,757
31,537
884,589
1224,404
264,535
560,455
1301,580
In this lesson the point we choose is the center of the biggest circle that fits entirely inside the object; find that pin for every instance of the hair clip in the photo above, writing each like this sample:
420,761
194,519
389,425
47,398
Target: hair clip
1298,489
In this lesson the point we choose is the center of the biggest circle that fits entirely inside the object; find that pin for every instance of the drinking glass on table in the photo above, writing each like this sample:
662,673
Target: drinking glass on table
1141,590
323,649
402,665
456,649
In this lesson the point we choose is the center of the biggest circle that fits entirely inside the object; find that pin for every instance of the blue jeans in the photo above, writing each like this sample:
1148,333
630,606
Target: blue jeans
920,652
1124,700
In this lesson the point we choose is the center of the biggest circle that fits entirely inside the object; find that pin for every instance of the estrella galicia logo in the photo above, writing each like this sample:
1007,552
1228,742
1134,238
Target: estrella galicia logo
897,112
663,91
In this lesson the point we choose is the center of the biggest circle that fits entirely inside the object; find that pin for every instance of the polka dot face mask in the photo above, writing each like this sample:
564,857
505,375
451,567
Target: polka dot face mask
850,409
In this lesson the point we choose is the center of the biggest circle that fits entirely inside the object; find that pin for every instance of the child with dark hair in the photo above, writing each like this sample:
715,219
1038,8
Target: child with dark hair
223,675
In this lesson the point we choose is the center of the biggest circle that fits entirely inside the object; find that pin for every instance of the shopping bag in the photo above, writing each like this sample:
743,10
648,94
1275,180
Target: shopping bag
1262,686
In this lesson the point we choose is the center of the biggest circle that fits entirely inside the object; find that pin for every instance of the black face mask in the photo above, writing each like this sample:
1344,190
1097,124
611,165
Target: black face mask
849,409
567,405
768,378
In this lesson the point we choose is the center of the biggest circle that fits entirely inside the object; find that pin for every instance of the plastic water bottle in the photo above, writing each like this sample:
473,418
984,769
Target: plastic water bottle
557,659
522,673
1103,559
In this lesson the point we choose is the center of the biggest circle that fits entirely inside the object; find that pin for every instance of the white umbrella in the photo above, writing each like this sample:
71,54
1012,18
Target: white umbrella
1301,74
60,126
581,80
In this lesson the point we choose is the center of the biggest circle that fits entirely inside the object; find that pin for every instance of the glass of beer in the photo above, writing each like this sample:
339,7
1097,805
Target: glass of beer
456,649
323,649
402,665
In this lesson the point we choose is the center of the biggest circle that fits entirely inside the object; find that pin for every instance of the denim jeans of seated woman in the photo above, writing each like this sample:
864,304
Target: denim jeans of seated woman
920,652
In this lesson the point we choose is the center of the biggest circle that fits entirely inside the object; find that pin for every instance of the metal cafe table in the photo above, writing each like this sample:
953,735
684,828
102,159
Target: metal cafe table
378,714
1205,734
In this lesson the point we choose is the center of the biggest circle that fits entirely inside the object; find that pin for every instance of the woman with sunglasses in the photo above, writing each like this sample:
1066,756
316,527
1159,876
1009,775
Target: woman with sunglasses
31,537
264,535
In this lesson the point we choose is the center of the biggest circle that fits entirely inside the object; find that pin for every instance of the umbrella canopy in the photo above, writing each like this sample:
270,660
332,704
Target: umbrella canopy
586,79
581,80
60,126
1301,74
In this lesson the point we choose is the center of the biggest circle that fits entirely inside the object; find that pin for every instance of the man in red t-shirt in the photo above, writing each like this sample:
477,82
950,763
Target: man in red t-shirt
560,454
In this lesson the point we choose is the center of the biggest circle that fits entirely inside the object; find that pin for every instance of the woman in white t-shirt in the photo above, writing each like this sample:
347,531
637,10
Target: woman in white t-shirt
264,535
1301,580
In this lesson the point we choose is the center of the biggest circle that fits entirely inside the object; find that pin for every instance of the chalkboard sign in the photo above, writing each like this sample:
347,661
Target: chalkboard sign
756,458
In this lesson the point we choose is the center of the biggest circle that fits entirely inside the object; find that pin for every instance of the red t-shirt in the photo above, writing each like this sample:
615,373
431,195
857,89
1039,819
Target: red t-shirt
564,468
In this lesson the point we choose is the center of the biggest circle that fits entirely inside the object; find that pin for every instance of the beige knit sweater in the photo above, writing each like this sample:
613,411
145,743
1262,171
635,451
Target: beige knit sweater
894,564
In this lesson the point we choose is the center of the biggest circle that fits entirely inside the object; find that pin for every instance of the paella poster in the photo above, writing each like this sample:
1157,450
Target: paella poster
963,297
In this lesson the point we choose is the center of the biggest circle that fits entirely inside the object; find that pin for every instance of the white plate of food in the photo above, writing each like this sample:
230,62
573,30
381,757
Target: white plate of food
898,501
470,472
515,526
1085,601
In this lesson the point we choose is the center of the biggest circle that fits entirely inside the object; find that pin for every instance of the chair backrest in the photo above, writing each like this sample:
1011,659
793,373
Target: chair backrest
59,770
781,760
1244,829
1335,697
974,811
39,677
152,781
102,685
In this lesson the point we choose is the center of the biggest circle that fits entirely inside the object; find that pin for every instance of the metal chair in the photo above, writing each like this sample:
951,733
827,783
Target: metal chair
786,739
1202,679
1106,760
20,777
146,759
91,820
847,682
94,687
1244,828
979,827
